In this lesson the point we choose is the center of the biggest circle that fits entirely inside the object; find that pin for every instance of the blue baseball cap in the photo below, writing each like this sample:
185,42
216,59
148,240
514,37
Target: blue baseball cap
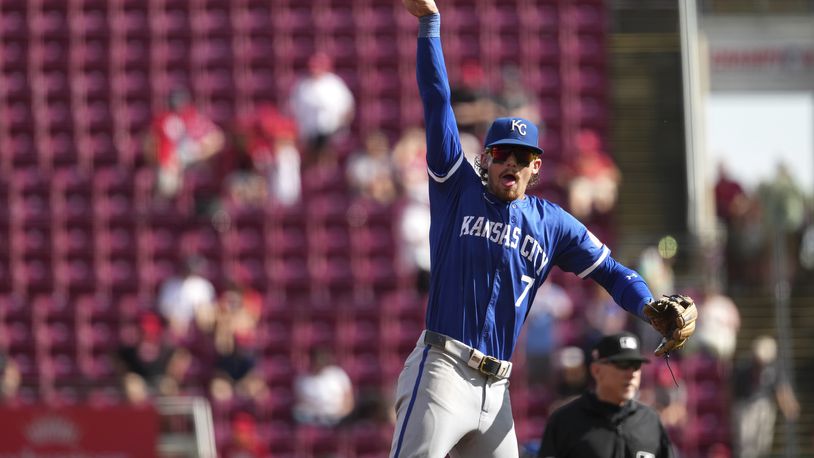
513,131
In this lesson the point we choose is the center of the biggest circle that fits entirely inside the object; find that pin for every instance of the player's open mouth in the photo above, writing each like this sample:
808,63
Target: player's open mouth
508,180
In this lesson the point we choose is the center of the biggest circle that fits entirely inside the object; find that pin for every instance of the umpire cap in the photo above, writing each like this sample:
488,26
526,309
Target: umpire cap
513,131
623,346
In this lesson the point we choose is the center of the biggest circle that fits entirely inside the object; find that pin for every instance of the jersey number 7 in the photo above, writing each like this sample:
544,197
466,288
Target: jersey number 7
528,281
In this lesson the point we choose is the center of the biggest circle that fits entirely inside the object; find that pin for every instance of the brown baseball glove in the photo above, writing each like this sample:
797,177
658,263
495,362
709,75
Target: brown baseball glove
674,318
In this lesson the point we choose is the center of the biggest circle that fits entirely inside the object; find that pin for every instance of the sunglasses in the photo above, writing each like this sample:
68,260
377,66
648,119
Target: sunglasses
523,156
625,365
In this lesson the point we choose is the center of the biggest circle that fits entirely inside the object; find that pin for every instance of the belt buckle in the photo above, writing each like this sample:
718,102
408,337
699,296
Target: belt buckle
489,365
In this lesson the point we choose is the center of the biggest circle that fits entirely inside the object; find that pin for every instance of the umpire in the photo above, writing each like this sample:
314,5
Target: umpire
608,422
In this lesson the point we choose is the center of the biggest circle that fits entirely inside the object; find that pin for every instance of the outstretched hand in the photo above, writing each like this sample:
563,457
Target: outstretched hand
419,8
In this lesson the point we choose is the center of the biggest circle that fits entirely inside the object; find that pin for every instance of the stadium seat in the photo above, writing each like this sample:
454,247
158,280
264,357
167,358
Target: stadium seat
245,241
15,51
277,371
274,337
118,275
18,147
118,239
75,275
702,368
95,308
33,241
57,337
104,396
370,439
19,337
130,21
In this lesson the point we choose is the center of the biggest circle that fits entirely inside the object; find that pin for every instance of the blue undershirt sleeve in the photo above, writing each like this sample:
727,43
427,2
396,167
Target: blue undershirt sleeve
429,26
625,285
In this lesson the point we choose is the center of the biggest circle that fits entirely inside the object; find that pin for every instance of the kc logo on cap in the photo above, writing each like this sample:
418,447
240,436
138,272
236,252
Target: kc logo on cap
519,125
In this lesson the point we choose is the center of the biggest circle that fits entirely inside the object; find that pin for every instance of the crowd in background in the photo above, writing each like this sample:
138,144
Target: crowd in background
267,156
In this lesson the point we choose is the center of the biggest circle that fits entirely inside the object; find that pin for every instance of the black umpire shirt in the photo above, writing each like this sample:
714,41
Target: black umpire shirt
589,428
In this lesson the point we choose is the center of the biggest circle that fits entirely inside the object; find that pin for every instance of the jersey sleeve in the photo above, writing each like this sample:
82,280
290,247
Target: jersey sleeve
444,152
578,250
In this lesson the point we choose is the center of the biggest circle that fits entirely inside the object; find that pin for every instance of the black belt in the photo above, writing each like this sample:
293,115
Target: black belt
473,357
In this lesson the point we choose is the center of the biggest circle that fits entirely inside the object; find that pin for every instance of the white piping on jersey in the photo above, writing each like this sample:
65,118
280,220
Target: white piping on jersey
451,171
593,266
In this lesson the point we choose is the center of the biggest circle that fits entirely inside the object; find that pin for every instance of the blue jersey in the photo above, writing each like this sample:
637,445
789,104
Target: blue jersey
488,256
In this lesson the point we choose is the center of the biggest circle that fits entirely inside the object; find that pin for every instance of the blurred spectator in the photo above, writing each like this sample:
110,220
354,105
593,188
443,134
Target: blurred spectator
246,188
370,170
371,405
806,254
717,333
593,177
472,148
147,353
236,372
784,210
760,388
324,395
746,248
246,439
187,298
242,306
10,379
322,105
571,376
135,389
546,324
603,316
515,99
178,139
472,100
410,163
733,207
267,139
414,232
783,201
668,400
730,198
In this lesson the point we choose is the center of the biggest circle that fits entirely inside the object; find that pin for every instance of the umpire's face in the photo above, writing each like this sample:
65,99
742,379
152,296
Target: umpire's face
616,382
509,172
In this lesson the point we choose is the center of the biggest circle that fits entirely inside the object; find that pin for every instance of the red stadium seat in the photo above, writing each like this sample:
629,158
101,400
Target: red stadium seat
72,198
75,275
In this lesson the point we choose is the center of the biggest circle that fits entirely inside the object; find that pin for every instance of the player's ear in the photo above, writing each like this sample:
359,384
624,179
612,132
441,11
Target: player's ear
536,165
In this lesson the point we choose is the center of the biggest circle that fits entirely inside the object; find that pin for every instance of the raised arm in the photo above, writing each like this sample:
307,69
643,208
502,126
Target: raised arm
421,8
443,141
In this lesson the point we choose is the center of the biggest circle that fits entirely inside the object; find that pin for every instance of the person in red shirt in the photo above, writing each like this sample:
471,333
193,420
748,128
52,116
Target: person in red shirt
178,138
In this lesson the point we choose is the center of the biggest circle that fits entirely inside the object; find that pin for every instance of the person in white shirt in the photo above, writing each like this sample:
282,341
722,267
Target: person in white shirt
188,297
324,396
322,105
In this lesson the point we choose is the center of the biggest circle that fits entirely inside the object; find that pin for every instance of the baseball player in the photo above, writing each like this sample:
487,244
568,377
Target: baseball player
492,246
